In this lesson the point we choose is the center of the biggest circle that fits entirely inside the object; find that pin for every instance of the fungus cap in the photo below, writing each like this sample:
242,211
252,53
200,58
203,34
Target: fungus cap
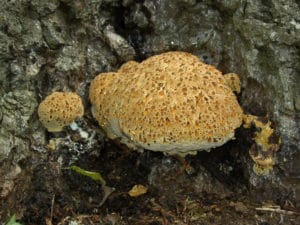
233,81
170,102
60,109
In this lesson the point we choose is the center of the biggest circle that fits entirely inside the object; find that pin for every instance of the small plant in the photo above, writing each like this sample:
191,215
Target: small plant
12,221
96,177
93,175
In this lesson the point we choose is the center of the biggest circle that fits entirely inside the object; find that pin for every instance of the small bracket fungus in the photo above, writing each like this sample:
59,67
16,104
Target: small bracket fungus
60,109
171,102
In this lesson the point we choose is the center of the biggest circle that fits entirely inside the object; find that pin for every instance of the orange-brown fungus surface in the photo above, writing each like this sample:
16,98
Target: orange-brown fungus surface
170,102
60,109
233,81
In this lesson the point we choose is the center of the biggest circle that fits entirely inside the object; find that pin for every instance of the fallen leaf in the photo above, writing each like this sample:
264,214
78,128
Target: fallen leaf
137,190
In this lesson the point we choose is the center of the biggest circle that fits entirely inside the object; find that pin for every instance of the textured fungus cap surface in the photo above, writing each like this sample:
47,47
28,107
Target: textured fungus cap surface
60,109
170,102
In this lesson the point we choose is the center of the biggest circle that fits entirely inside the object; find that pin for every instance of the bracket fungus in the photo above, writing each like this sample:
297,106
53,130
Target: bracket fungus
172,103
60,109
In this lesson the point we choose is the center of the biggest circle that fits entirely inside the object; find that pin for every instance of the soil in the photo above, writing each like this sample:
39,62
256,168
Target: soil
47,192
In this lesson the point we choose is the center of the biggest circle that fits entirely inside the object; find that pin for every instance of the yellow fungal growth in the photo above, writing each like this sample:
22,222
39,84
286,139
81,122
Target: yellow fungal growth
267,143
60,109
171,102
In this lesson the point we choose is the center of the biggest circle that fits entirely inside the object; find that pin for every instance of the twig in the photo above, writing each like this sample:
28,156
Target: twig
276,210
52,207
106,192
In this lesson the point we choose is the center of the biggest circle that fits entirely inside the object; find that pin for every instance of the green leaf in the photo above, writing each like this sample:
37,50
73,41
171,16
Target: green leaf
12,221
93,175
